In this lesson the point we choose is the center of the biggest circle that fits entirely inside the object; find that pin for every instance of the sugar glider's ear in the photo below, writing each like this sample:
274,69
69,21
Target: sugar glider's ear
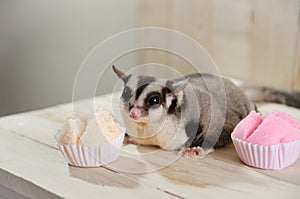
119,73
179,86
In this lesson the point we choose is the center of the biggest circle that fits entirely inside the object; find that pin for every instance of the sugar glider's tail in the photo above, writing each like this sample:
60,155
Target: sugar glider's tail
270,94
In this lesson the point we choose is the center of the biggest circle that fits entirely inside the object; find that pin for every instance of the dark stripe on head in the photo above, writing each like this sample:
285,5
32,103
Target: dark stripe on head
173,106
139,90
164,93
126,78
142,83
126,94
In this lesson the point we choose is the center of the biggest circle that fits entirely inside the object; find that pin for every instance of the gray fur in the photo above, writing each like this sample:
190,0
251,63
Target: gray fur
237,105
270,94
187,108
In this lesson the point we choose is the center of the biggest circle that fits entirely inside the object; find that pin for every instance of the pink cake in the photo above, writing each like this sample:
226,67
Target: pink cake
269,142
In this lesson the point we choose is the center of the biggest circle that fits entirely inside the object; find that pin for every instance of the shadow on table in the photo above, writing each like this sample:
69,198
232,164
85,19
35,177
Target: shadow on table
101,176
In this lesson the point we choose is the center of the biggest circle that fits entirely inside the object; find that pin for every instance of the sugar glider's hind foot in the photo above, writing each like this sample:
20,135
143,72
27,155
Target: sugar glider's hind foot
191,151
128,140
195,151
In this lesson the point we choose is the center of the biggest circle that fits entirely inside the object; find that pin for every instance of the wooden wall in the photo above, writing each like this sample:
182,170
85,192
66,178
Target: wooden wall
254,40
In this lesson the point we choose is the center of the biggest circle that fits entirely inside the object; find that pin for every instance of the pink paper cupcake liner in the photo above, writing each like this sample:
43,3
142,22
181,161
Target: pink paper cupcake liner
92,156
274,157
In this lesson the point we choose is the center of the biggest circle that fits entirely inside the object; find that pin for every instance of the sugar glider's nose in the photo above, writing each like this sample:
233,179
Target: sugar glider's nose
136,113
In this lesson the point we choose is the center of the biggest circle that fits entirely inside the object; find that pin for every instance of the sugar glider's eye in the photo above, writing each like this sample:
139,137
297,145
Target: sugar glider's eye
126,95
154,101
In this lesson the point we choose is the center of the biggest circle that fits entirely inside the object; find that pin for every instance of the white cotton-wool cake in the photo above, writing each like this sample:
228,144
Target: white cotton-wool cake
73,127
90,140
89,130
100,129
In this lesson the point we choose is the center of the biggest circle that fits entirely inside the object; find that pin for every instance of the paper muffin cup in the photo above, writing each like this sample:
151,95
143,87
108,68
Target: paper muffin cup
274,157
92,156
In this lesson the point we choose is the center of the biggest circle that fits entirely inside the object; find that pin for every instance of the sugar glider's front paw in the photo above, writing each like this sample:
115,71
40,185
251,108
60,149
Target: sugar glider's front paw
128,140
196,151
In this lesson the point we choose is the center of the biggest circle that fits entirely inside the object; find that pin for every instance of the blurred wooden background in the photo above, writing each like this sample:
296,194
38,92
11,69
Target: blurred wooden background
254,40
43,43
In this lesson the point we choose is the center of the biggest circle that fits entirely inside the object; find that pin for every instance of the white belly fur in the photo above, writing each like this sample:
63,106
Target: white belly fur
169,135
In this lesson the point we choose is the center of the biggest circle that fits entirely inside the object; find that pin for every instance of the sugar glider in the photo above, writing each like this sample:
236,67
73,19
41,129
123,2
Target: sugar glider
177,114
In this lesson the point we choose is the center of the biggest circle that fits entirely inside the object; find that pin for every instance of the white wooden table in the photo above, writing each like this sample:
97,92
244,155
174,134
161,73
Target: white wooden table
32,166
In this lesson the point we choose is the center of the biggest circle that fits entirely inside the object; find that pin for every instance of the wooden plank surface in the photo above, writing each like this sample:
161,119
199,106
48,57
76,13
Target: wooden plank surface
38,170
31,165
